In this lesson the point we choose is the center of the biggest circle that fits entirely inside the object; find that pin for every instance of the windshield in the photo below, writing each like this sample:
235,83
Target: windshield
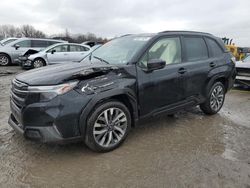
8,41
120,50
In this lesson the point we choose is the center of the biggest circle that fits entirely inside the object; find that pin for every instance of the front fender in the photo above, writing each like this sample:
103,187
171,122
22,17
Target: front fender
100,97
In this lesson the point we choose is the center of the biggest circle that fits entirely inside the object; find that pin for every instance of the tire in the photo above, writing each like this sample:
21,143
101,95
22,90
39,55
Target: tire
37,63
4,60
102,136
215,99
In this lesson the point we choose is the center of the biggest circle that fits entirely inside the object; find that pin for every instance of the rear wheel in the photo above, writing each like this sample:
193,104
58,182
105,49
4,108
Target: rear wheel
108,126
4,60
215,99
38,63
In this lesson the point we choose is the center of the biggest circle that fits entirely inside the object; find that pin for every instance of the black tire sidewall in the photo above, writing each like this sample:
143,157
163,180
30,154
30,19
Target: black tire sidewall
89,137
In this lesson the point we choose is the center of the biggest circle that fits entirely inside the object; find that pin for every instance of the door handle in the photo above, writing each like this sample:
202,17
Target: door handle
212,64
182,70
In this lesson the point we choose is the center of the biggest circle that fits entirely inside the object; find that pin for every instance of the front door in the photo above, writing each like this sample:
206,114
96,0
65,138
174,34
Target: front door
160,88
58,54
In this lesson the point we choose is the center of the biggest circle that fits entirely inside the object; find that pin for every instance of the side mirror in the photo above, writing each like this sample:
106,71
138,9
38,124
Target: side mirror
53,51
16,46
155,64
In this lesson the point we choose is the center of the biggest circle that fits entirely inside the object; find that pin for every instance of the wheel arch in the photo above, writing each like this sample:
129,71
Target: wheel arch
125,96
44,61
217,78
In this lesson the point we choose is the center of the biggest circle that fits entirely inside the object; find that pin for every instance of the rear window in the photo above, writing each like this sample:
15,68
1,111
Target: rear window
195,48
39,43
52,42
215,49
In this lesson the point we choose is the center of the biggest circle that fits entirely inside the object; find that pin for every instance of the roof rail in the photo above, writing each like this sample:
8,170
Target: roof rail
125,35
185,32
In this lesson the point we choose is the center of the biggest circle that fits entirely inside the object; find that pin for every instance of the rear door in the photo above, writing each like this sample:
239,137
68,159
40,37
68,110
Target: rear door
164,87
196,63
58,54
77,52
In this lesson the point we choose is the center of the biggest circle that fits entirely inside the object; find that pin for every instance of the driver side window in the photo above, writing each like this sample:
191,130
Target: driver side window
60,48
167,49
24,44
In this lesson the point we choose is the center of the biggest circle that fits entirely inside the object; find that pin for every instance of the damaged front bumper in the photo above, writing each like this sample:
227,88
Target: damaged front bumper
25,62
41,134
53,121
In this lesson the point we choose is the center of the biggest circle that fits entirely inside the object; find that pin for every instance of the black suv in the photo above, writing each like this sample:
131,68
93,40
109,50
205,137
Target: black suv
128,79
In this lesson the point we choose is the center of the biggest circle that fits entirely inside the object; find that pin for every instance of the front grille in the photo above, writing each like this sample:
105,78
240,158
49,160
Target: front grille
243,72
19,92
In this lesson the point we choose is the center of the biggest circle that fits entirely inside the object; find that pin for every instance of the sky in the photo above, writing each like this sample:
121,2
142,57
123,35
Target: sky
111,18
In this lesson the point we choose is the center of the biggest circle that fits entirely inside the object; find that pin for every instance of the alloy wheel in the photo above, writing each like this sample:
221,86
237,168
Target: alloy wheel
217,98
110,127
4,60
38,63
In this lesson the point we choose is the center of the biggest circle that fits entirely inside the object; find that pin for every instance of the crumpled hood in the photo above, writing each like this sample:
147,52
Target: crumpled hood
57,74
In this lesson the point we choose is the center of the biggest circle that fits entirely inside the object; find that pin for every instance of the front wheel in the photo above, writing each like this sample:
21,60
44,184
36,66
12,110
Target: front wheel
215,99
38,63
108,126
4,60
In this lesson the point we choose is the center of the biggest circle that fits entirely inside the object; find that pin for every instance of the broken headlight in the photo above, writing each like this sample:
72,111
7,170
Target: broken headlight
49,92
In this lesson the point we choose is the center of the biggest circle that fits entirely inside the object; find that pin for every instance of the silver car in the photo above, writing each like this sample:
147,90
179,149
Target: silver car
10,52
58,53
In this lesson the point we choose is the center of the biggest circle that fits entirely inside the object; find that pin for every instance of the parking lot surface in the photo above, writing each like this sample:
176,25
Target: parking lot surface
187,150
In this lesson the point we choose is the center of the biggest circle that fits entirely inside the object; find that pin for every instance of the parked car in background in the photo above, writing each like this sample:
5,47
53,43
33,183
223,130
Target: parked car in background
126,80
9,54
56,54
6,41
243,71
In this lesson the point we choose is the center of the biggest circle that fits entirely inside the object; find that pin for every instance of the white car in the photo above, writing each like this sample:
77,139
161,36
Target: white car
243,71
57,54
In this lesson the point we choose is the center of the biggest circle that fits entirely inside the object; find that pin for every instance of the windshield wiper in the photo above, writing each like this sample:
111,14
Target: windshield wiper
102,60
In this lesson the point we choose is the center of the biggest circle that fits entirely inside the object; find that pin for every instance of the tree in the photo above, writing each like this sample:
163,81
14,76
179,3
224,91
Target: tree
30,31
9,31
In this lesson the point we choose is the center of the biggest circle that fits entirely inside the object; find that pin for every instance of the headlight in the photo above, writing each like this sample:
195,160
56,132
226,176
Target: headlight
50,92
28,62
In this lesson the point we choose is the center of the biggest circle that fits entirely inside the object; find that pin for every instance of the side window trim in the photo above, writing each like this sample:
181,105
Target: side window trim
208,47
